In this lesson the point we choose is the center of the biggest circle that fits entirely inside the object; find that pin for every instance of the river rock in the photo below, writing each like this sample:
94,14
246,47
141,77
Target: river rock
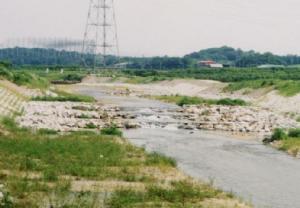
68,116
131,125
235,118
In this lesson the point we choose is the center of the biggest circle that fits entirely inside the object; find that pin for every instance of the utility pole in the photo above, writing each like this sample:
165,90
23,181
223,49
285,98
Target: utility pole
100,37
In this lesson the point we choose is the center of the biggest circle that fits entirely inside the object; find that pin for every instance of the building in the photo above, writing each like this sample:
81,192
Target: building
210,64
206,63
216,66
122,65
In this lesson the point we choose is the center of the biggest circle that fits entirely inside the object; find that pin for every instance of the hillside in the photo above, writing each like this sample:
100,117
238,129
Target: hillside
240,58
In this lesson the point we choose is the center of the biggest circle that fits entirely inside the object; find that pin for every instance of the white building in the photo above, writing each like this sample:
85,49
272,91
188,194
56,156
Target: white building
216,66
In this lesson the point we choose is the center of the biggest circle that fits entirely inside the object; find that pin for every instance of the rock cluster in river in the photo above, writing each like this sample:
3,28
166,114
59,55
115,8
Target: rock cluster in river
72,116
233,118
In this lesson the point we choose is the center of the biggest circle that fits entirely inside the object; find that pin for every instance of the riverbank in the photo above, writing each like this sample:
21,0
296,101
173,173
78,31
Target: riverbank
36,171
207,89
59,158
234,163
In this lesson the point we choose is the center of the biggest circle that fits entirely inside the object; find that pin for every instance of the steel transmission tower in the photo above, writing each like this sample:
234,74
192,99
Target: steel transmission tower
100,37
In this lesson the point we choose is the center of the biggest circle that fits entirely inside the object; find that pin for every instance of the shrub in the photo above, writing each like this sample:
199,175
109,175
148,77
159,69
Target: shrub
47,132
231,102
189,101
279,134
90,126
112,131
73,77
295,133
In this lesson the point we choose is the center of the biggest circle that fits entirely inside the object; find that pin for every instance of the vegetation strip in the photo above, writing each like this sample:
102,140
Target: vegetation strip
186,100
286,140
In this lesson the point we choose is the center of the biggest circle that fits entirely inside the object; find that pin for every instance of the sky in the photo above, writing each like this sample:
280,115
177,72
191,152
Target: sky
165,27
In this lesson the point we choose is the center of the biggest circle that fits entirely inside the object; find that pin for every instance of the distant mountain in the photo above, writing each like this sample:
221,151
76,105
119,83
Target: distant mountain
238,57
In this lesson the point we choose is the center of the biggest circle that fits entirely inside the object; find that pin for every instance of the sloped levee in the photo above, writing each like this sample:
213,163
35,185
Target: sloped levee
10,102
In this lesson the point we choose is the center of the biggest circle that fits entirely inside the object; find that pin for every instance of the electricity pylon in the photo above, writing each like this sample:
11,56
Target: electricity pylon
100,37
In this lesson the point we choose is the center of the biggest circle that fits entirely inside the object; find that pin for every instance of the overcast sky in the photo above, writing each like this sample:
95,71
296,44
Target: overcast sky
165,27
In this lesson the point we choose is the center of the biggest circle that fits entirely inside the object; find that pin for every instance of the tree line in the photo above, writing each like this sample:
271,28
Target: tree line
224,55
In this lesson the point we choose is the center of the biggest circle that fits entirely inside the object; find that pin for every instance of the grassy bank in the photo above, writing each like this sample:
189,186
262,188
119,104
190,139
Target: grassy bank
23,78
186,100
285,87
286,140
65,97
85,169
286,81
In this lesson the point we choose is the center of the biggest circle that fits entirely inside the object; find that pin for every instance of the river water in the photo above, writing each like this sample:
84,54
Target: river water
258,174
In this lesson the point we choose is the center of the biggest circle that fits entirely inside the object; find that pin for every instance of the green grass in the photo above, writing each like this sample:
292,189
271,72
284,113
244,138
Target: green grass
286,81
161,160
39,169
186,100
24,78
112,131
285,88
180,194
291,145
294,133
289,140
65,97
85,155
56,75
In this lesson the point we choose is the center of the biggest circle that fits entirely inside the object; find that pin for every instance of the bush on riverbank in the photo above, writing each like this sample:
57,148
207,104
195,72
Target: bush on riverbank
112,131
279,134
186,100
295,133
288,141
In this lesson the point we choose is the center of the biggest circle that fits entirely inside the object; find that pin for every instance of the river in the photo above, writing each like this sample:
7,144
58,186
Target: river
257,173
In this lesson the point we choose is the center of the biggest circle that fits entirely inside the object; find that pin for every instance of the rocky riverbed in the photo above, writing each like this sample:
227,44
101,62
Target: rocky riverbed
72,116
245,119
